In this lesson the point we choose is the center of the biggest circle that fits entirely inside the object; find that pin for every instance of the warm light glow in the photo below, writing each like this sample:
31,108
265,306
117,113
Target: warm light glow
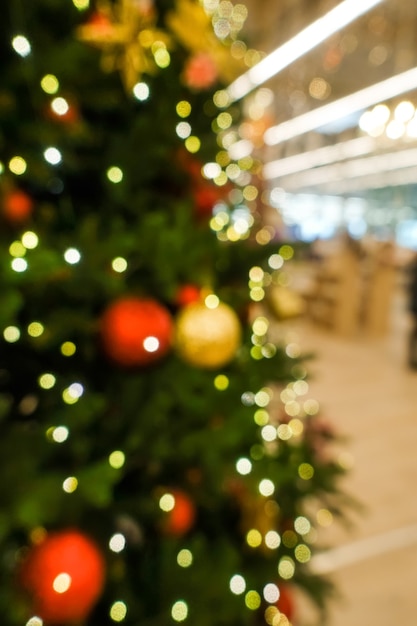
117,459
72,256
11,334
179,611
50,84
237,584
185,558
62,582
141,91
60,106
17,165
151,344
52,155
21,45
118,611
117,542
307,39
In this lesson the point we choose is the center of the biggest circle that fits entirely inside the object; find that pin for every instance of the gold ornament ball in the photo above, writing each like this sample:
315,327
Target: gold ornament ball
207,337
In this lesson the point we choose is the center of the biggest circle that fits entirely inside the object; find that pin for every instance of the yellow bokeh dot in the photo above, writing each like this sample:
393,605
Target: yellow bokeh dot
311,407
254,538
286,568
224,120
221,382
302,553
162,57
306,471
11,334
250,193
17,249
284,432
50,84
221,99
179,611
68,397
212,301
324,517
256,274
271,614
297,427
30,240
114,174
119,264
167,502
81,5
253,600
117,459
118,611
35,329
17,165
70,484
287,252
68,348
289,539
260,326
257,294
261,417
193,144
47,381
183,109
184,558
302,525
221,179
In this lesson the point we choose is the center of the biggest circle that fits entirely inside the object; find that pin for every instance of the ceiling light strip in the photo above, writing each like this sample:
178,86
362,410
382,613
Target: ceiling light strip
321,156
358,101
355,168
307,39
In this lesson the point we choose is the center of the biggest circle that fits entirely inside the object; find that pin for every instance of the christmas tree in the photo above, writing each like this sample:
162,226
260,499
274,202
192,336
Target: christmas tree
161,459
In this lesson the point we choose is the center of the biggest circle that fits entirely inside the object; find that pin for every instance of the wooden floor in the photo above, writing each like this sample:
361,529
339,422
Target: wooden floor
366,390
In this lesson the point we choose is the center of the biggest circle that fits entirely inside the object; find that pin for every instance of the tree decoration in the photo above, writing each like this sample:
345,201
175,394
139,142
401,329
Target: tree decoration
17,206
136,331
64,576
180,518
285,602
192,27
126,33
200,71
207,337
187,294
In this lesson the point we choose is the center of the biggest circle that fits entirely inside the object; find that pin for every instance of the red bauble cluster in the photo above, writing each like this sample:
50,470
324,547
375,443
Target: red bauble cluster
64,576
136,331
17,206
181,518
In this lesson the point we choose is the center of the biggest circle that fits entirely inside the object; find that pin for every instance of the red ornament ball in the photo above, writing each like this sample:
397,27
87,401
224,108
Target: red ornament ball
285,602
17,206
136,331
64,576
180,519
200,71
188,294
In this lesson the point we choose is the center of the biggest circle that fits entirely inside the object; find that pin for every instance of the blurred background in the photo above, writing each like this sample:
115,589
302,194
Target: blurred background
336,129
